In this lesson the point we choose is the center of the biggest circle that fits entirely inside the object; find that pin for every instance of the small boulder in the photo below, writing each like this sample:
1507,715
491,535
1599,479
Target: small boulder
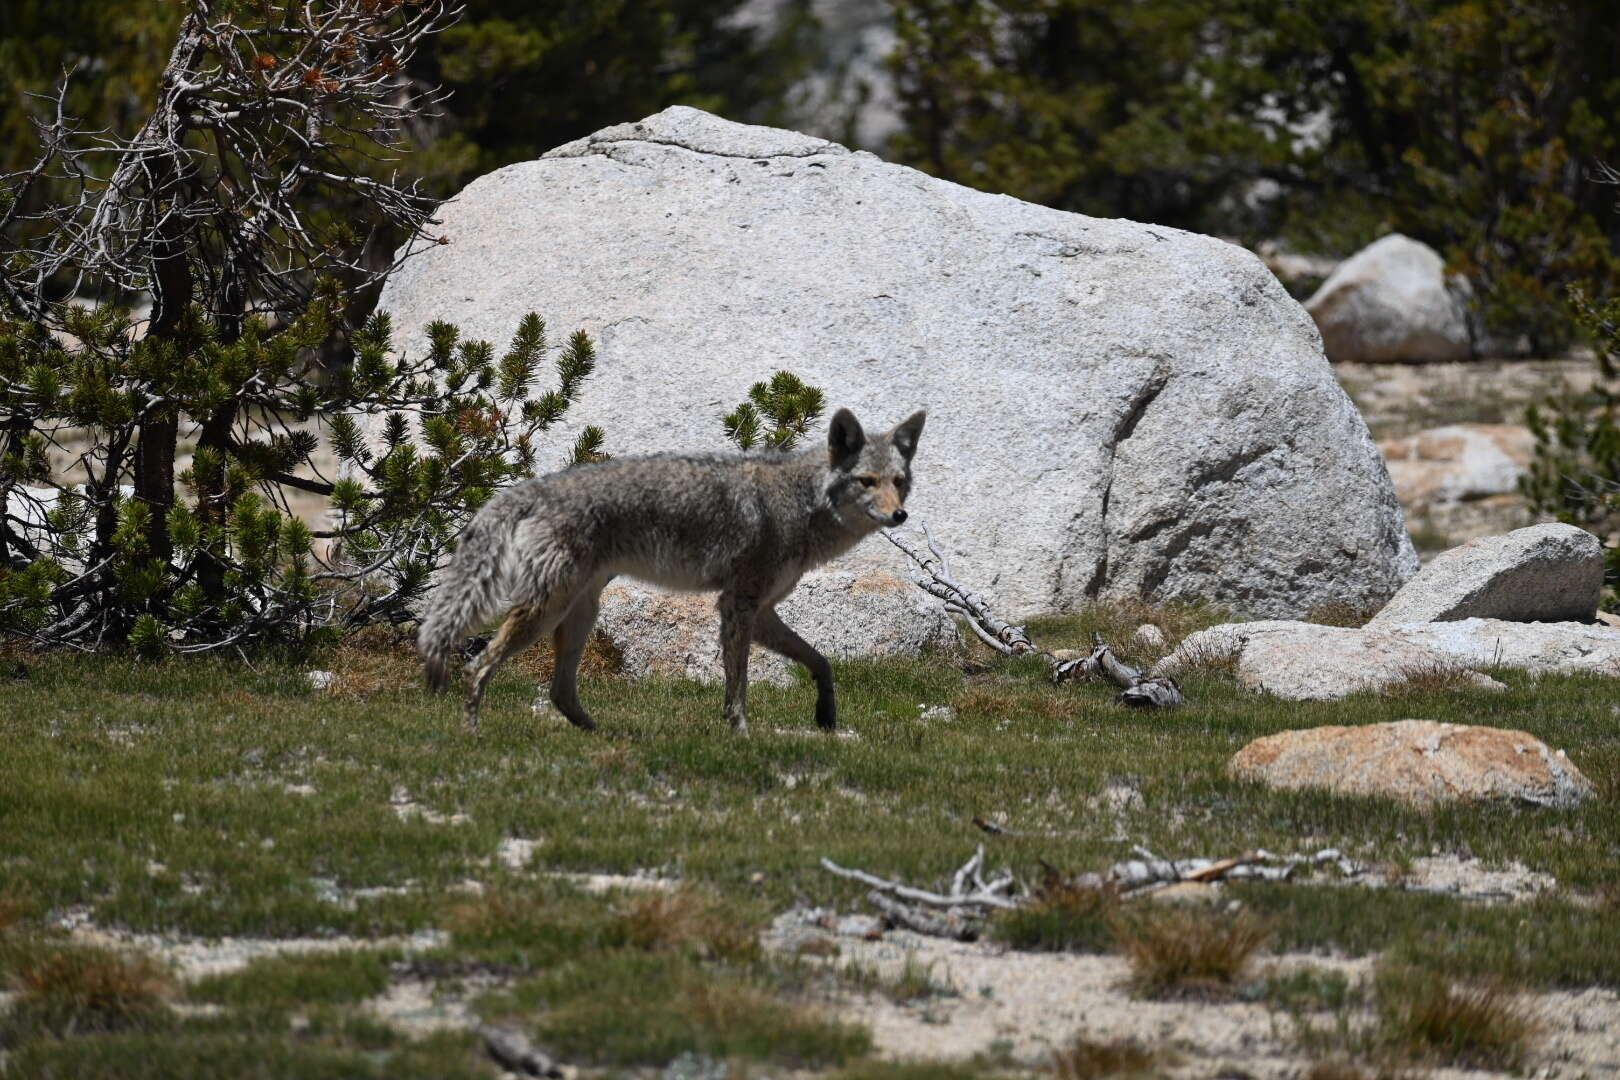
1457,463
843,613
1545,573
1392,301
1302,661
1416,761
1539,648
1306,662
1148,636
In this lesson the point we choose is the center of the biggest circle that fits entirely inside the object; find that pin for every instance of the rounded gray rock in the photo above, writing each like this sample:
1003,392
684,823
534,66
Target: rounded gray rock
1392,301
1544,573
1117,410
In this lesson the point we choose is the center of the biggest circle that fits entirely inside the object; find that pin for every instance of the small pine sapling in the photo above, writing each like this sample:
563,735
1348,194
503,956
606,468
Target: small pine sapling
776,415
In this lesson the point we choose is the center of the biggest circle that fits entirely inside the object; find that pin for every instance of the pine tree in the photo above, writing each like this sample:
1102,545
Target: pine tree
1575,473
1473,126
786,404
219,209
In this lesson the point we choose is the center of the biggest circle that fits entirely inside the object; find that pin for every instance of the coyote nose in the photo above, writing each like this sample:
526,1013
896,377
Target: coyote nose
898,517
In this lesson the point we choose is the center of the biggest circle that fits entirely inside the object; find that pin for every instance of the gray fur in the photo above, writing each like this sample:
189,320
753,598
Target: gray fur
748,525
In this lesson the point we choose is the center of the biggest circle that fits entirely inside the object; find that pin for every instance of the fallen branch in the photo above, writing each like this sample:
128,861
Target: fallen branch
1261,865
972,899
513,1051
985,894
949,924
995,632
1136,690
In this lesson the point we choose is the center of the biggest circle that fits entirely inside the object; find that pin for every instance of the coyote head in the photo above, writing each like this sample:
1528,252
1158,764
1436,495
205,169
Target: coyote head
871,476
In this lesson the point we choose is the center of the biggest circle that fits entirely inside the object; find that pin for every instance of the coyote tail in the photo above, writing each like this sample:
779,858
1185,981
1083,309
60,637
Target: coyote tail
470,588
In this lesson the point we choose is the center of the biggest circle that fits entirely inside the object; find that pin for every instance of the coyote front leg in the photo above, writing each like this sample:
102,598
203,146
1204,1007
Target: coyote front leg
737,614
771,632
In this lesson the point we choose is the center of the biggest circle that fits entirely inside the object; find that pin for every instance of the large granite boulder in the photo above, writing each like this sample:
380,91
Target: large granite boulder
1417,761
1392,301
1544,573
1117,410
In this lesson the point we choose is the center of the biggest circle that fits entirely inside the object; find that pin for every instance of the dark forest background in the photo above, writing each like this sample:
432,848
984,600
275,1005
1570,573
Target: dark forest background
1482,128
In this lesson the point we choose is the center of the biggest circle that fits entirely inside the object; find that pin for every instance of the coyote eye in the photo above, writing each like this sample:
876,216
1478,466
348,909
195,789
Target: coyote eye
867,481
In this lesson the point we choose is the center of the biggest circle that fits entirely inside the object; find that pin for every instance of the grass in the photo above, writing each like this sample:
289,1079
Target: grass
1308,989
628,1007
1428,679
206,798
687,919
1085,1059
1421,1018
1063,918
63,990
1427,537
321,979
1179,950
914,982
1426,1017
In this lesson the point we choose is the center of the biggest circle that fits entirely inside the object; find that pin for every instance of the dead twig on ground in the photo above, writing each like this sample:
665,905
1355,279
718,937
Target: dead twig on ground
1136,689
972,899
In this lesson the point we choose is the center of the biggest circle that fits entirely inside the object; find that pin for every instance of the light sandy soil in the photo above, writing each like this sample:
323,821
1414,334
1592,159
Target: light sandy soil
1402,399
1001,1003
1028,1004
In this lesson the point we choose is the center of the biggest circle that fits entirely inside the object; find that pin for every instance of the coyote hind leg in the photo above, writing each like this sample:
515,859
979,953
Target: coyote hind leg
523,627
569,640
736,631
771,632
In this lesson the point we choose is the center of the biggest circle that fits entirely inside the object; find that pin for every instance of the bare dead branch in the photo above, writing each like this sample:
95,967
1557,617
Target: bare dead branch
1136,689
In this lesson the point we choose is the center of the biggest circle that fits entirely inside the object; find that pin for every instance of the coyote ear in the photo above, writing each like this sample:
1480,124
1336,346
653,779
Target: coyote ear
904,436
844,439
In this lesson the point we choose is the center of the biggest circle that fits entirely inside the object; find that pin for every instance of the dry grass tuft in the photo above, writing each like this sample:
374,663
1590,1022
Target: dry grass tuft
70,990
375,660
1341,613
1083,1059
817,946
14,909
1432,678
617,758
1060,917
1015,699
686,919
1484,1025
1181,950
1208,660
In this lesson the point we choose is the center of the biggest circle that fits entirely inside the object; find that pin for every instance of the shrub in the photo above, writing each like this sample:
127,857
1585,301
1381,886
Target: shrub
1183,950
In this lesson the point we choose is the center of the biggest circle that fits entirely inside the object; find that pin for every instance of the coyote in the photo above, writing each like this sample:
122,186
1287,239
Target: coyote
748,525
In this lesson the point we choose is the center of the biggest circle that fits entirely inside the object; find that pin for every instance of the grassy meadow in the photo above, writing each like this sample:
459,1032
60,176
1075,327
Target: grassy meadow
206,799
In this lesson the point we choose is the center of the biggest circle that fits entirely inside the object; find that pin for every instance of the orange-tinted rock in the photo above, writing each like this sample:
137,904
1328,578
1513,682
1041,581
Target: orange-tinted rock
1418,761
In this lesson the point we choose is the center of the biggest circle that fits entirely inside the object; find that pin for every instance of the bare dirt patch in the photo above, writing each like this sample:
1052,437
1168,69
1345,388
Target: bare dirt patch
1027,1005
